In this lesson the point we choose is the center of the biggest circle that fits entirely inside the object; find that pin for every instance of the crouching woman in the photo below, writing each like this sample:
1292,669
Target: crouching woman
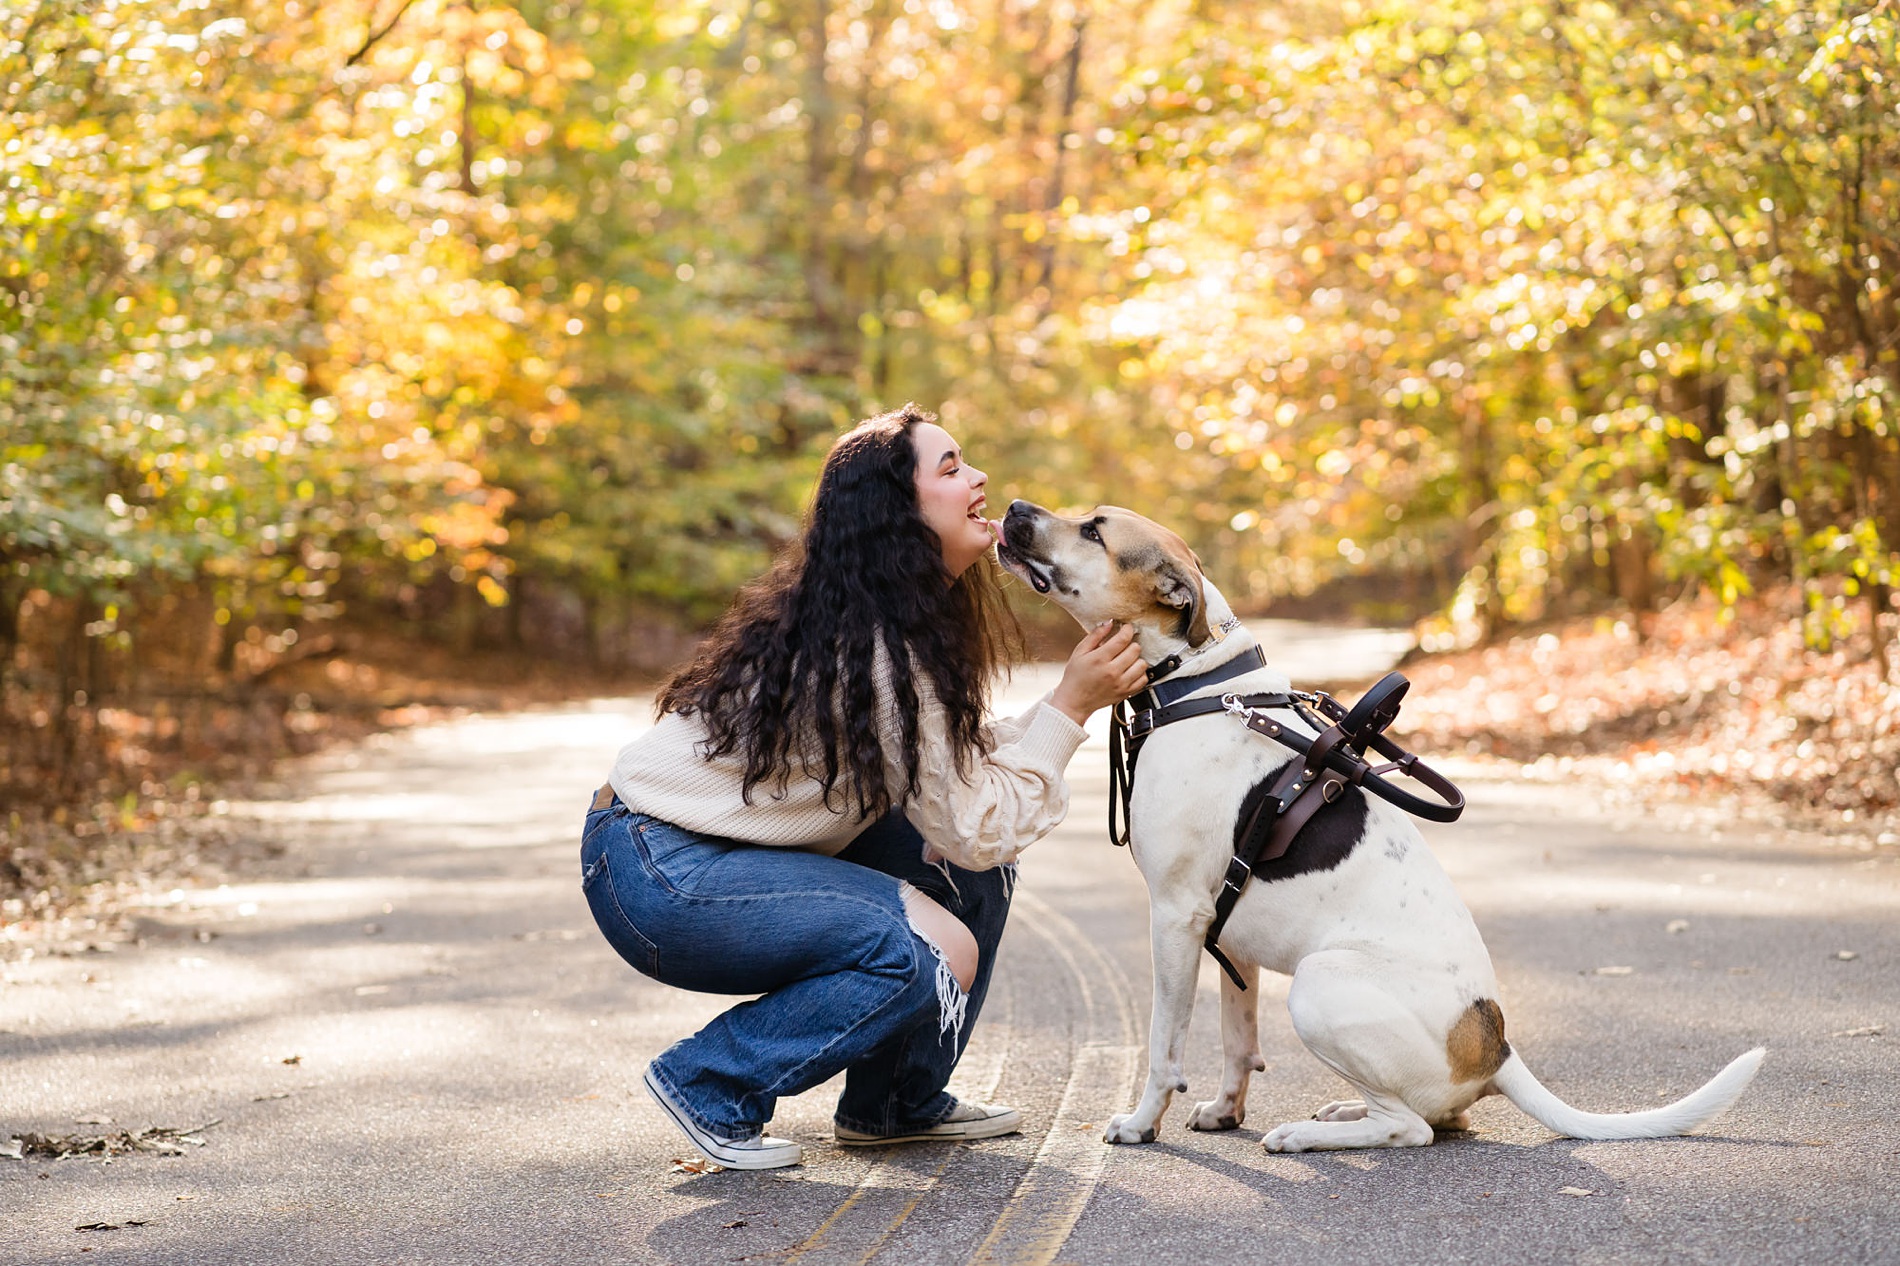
820,816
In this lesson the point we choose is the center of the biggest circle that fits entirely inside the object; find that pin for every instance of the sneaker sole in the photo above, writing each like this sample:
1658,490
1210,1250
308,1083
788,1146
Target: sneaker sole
955,1131
719,1155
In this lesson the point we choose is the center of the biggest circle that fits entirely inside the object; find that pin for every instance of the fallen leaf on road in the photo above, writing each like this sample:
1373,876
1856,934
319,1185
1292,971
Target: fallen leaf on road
727,1226
163,1140
1846,956
108,1226
1614,971
1872,1030
1676,925
291,1059
697,1165
12,1149
1575,1191
282,1094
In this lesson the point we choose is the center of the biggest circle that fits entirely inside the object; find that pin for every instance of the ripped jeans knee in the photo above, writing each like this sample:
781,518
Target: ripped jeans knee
954,949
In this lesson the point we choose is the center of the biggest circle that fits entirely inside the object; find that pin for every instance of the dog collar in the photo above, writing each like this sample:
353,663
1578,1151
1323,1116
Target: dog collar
1163,690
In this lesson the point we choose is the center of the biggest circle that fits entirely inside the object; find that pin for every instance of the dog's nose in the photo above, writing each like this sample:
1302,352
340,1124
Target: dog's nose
1019,509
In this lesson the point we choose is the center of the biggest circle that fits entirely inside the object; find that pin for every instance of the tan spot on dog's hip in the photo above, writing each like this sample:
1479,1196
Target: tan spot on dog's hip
1476,1047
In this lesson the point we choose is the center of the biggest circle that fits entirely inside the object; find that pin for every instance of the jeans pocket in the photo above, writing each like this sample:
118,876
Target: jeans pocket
597,818
675,857
611,917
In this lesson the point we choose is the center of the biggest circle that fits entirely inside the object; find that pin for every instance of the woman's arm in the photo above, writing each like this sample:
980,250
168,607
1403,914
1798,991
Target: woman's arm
987,813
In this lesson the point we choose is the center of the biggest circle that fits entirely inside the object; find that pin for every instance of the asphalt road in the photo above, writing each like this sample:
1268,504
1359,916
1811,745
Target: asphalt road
417,1049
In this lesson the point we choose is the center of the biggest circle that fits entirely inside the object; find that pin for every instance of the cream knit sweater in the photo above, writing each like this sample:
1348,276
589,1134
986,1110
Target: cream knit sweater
1011,797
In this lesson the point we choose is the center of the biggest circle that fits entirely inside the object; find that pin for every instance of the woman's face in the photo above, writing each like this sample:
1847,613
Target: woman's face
950,497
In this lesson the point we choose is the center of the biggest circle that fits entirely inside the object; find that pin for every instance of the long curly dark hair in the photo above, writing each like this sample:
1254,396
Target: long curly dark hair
787,676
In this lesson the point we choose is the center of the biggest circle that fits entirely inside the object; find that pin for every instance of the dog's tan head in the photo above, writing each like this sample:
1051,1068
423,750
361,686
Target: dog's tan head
1108,564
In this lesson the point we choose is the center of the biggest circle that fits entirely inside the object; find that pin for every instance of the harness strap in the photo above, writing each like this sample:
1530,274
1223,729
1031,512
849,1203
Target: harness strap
1164,689
1328,762
1163,701
1148,720
1303,789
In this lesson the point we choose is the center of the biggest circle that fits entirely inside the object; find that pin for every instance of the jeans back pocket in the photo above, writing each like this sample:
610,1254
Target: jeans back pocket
627,940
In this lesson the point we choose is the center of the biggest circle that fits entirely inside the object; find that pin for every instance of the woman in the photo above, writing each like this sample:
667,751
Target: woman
821,816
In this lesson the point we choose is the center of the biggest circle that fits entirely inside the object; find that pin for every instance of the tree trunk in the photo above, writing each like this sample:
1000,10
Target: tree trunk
1479,550
1065,128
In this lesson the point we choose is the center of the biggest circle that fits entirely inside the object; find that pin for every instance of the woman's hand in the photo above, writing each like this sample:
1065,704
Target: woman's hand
1105,668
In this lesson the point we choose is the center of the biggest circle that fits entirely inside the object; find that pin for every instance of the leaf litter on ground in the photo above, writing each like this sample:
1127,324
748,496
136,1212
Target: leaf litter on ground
1702,706
159,1140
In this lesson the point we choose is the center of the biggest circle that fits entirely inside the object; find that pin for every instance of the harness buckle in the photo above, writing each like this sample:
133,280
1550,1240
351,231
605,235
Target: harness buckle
1233,705
1238,872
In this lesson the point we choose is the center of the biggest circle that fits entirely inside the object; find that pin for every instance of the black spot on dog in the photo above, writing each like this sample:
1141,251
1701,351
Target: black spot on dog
1322,844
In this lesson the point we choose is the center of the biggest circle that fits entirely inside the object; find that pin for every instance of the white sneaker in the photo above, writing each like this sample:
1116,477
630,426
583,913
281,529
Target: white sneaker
966,1121
761,1151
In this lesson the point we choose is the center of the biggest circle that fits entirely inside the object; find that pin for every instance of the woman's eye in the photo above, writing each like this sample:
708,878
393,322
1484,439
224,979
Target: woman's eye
1090,534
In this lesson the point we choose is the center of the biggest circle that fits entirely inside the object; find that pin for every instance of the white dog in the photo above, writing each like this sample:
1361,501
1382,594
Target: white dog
1392,986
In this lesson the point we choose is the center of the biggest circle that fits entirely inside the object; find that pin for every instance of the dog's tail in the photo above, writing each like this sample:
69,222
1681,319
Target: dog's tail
1694,1110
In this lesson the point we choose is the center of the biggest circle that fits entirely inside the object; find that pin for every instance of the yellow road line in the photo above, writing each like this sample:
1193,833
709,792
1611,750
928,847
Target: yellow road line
1042,1212
880,1176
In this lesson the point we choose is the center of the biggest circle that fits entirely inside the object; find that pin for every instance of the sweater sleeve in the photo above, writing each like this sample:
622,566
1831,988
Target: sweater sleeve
1001,802
1010,729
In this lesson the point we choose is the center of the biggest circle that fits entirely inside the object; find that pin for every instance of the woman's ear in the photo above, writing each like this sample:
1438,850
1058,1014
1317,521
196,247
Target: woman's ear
1179,586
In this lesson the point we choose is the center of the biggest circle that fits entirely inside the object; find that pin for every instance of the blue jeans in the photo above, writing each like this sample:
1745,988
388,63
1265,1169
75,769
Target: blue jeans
847,985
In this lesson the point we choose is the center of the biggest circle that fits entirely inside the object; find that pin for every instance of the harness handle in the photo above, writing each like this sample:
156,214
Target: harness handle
1363,725
1376,709
1417,770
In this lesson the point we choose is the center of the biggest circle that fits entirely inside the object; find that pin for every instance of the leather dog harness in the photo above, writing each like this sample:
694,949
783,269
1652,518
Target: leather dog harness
1326,763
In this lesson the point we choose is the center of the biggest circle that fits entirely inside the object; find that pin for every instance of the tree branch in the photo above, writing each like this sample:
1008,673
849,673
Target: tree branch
375,37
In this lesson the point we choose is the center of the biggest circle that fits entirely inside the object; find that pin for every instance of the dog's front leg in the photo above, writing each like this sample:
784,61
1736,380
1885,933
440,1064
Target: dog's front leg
1240,1048
1176,940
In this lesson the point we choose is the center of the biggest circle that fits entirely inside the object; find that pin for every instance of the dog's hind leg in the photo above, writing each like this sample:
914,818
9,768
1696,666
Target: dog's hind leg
1386,1123
1240,1050
1343,1110
1176,941
1344,1009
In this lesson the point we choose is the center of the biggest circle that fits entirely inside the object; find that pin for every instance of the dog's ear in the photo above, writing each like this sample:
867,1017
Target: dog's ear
1179,586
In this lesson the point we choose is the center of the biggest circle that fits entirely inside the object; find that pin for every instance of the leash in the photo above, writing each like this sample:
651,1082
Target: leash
1327,764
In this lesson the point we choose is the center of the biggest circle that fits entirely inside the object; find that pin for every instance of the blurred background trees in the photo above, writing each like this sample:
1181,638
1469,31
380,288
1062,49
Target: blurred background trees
526,326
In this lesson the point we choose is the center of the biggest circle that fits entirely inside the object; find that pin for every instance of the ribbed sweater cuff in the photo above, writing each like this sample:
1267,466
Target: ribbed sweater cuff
1051,736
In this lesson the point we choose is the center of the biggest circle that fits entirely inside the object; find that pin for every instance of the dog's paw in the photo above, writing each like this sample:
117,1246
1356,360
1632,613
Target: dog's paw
1342,1110
1213,1115
1121,1129
1291,1137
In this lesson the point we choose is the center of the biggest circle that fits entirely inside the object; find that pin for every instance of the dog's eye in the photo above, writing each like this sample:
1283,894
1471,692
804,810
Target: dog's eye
1090,534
